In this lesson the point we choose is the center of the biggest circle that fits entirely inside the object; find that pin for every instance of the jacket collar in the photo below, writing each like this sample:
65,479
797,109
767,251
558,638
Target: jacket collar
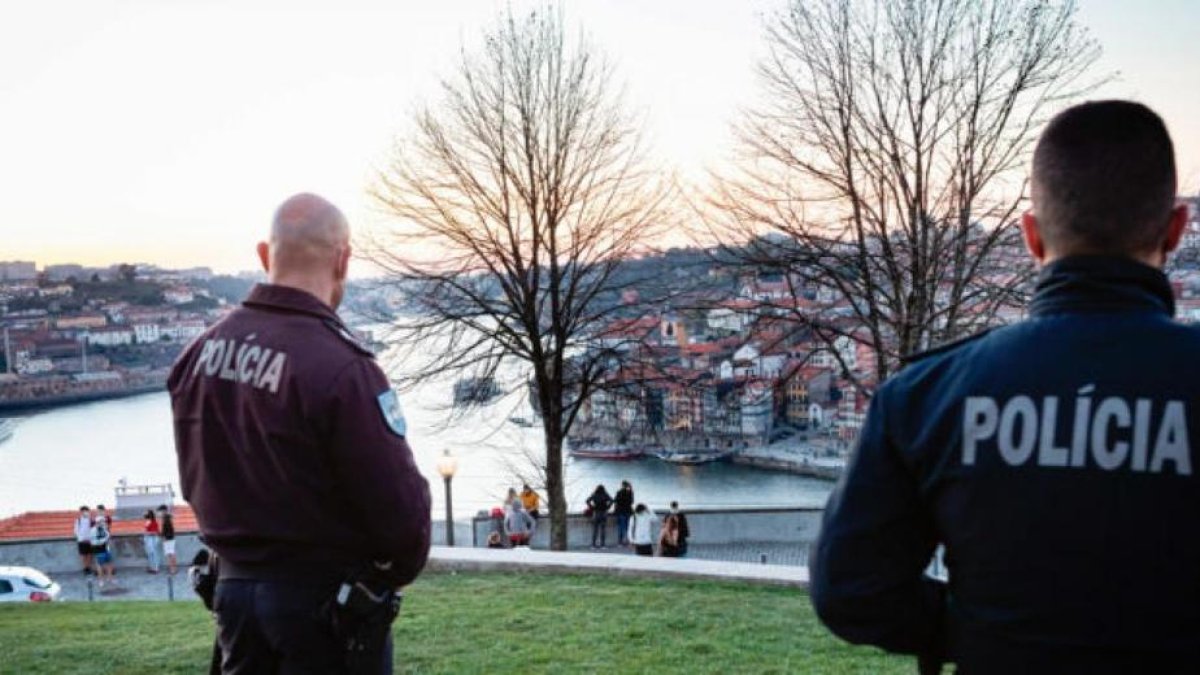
1079,284
289,299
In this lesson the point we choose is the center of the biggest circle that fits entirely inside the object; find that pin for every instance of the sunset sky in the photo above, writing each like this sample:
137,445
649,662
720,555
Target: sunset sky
167,131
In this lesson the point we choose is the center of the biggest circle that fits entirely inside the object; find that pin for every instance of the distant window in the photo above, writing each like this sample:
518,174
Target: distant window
6,587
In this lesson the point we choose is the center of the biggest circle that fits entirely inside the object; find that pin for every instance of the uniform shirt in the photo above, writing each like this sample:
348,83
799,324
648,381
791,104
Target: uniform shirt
1052,458
291,444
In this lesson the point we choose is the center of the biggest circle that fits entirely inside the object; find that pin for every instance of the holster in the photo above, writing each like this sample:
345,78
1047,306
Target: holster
361,615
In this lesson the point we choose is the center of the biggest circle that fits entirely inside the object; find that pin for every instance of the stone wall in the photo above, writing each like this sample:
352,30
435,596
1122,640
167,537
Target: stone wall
58,556
708,526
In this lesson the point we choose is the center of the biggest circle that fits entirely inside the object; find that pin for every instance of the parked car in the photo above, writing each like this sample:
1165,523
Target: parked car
25,584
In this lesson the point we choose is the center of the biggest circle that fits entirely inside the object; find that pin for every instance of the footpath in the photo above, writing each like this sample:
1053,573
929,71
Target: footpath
136,584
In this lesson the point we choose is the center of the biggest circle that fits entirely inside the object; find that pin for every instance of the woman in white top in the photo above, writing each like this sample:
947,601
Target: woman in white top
641,530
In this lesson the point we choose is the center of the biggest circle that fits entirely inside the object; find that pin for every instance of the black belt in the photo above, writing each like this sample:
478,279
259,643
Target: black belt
282,571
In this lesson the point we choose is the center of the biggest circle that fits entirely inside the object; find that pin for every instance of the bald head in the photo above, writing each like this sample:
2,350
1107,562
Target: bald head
309,247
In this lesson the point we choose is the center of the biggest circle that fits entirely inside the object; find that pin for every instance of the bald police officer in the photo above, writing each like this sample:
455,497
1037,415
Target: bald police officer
1052,458
292,452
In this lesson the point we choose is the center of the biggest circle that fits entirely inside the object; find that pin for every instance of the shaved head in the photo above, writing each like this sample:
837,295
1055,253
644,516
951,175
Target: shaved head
309,247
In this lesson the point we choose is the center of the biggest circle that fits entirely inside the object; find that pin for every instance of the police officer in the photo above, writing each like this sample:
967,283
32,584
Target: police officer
1052,458
292,452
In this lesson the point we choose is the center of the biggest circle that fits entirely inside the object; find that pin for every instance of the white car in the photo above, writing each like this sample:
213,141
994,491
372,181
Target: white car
25,584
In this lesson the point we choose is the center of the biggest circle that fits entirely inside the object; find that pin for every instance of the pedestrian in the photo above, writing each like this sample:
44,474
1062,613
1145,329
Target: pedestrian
284,426
101,536
168,537
102,516
150,542
623,509
1051,457
684,530
83,539
668,537
510,499
518,524
641,530
531,501
598,504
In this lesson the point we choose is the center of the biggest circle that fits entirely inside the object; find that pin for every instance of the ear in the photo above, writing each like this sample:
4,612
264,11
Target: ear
264,256
343,264
1178,223
1033,237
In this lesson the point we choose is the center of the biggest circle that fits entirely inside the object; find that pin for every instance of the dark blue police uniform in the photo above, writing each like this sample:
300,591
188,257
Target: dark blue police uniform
292,452
1052,459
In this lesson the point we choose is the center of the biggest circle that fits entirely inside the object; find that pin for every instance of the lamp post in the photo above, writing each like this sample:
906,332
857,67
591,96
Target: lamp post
446,466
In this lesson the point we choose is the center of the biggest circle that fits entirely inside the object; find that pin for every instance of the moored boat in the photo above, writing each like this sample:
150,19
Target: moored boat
590,451
693,456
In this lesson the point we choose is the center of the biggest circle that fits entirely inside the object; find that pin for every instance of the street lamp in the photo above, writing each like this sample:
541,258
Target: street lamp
447,464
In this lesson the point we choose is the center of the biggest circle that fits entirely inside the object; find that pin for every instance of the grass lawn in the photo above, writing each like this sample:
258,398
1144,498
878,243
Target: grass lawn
483,623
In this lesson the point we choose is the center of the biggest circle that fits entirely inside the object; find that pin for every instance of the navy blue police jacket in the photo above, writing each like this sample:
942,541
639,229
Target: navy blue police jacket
292,446
1053,460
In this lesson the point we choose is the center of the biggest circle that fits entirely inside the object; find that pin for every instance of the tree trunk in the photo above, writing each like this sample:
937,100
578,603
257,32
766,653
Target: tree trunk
555,492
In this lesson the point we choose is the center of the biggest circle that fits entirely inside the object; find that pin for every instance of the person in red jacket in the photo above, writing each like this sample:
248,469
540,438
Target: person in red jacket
150,541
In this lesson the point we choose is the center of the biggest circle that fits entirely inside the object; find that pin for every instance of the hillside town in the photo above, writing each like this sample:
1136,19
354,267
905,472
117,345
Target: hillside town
74,333
741,367
731,364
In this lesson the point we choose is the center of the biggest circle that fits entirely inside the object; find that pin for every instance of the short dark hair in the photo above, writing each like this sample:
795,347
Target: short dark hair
1104,179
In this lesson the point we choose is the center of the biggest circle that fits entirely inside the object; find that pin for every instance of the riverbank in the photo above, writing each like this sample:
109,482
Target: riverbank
816,461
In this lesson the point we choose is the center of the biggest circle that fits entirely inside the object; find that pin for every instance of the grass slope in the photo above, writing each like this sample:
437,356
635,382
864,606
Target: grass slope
483,623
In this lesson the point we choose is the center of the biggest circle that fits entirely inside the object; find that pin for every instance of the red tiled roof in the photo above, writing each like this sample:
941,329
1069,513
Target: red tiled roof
61,524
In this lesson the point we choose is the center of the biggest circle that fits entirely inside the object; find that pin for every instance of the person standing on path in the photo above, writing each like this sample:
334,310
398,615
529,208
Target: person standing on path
623,509
83,539
684,530
293,452
150,542
101,537
599,504
1052,458
168,537
641,530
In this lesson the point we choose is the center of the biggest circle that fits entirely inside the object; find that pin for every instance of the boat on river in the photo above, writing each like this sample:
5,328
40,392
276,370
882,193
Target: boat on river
598,451
693,456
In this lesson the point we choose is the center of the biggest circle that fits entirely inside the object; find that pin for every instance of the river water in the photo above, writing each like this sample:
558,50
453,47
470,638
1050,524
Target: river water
66,457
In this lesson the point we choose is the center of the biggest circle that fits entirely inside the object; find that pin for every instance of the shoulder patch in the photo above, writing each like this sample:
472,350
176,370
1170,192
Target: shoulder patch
942,348
349,338
389,405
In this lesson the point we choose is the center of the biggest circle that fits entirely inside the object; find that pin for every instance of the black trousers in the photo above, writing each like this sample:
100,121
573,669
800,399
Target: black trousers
278,627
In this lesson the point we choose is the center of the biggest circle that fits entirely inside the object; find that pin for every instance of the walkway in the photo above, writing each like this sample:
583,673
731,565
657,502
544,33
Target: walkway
136,584
571,562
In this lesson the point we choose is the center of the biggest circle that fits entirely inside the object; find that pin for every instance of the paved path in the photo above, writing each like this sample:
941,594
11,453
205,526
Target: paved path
571,562
136,584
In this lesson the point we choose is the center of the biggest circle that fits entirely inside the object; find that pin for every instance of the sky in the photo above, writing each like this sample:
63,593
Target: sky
167,131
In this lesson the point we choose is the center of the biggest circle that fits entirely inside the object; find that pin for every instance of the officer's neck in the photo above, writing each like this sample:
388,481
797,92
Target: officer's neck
1154,259
321,289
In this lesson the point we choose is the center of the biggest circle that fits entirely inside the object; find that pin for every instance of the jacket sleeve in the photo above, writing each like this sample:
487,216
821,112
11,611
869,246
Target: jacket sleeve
376,469
867,580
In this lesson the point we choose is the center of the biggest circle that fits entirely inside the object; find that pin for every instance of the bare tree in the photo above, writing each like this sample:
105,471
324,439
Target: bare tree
882,174
517,198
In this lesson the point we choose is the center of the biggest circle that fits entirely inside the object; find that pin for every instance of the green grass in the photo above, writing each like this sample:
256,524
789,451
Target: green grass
483,623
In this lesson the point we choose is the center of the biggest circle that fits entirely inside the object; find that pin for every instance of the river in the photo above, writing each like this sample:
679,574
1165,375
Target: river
62,458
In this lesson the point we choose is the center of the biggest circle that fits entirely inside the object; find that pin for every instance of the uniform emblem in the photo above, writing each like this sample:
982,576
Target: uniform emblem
389,404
